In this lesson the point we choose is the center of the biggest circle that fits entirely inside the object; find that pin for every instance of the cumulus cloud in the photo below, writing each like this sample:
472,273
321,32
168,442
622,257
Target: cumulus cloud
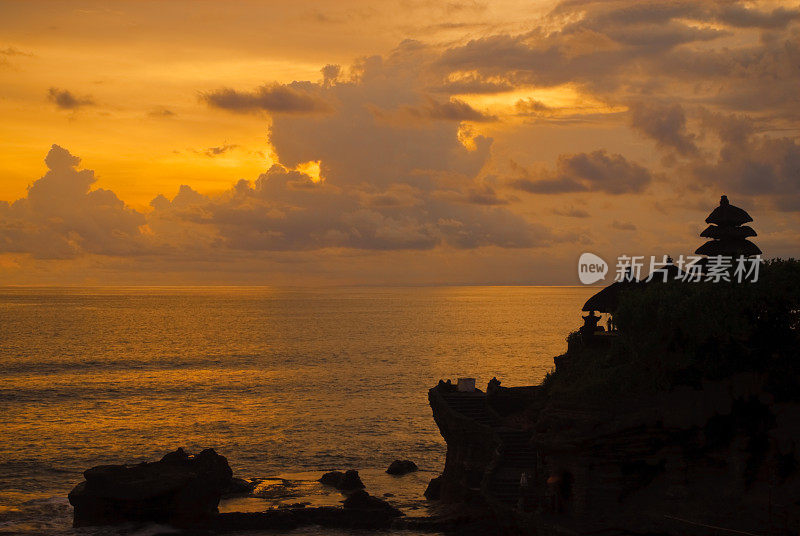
598,171
664,123
66,100
750,163
295,98
285,211
401,169
386,186
622,50
61,217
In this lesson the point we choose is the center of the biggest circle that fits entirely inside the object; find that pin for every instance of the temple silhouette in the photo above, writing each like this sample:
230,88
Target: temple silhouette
728,234
728,237
684,422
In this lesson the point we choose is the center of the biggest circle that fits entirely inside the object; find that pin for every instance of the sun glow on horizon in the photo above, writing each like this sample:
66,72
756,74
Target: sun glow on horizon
553,101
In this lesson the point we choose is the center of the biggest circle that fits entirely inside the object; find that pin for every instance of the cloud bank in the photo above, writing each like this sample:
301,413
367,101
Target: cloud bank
415,150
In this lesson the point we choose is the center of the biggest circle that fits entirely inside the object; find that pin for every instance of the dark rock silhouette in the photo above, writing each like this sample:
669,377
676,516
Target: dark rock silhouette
434,490
348,480
687,423
177,489
239,486
402,467
361,500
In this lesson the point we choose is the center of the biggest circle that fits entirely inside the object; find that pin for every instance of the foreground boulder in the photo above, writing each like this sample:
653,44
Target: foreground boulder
361,500
239,486
349,480
179,489
434,490
402,467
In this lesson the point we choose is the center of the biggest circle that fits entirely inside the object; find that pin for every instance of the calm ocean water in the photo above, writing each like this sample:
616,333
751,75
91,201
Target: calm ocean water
285,383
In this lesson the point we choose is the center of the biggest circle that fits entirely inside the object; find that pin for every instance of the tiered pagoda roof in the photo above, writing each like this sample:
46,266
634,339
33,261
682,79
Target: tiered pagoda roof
728,233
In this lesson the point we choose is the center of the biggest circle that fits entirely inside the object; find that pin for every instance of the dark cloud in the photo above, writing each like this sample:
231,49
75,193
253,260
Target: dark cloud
749,163
596,172
11,52
622,51
485,196
162,113
220,150
475,195
61,217
623,226
330,73
66,100
532,106
472,84
452,110
734,13
572,213
665,123
295,98
561,185
741,16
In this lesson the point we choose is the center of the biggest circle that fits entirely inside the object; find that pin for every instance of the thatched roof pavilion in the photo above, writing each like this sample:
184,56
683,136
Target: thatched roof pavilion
607,300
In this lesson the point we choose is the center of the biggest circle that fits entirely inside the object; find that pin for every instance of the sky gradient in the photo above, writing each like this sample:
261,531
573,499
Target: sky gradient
387,143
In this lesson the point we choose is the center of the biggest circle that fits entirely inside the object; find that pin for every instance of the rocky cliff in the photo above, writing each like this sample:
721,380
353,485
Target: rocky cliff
715,459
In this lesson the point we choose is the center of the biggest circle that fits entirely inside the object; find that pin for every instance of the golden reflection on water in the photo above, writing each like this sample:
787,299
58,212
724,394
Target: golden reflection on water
276,380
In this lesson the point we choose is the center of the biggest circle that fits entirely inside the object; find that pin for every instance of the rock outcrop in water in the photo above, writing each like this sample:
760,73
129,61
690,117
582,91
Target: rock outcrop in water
184,491
361,500
402,467
349,480
177,489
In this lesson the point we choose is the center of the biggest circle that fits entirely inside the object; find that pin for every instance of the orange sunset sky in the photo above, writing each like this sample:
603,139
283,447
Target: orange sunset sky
399,142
